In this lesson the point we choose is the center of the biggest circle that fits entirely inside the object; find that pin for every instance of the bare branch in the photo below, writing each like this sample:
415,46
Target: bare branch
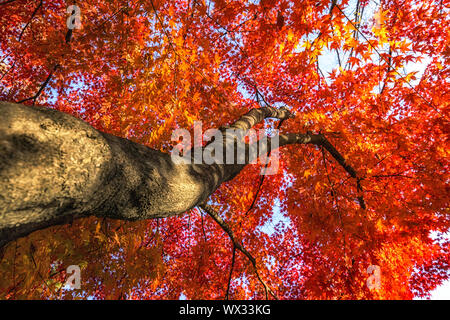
68,37
42,87
208,209
321,140
388,70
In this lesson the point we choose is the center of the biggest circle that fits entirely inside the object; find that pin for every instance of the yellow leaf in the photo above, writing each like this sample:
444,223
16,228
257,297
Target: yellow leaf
307,173
290,35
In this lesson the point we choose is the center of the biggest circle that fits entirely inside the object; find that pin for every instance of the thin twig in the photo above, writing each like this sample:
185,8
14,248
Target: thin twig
42,87
231,272
29,21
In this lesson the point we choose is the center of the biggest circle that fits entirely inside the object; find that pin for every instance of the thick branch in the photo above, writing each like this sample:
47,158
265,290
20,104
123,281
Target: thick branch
254,116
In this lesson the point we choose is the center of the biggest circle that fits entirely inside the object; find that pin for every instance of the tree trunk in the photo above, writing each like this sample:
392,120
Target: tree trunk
55,168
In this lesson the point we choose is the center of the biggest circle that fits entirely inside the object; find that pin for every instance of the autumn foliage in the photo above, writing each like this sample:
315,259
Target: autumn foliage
141,69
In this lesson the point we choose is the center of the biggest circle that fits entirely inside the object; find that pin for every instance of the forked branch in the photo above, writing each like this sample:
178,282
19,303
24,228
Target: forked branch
210,210
254,116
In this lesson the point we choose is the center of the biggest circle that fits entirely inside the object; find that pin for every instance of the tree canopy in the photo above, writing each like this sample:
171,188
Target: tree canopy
141,69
